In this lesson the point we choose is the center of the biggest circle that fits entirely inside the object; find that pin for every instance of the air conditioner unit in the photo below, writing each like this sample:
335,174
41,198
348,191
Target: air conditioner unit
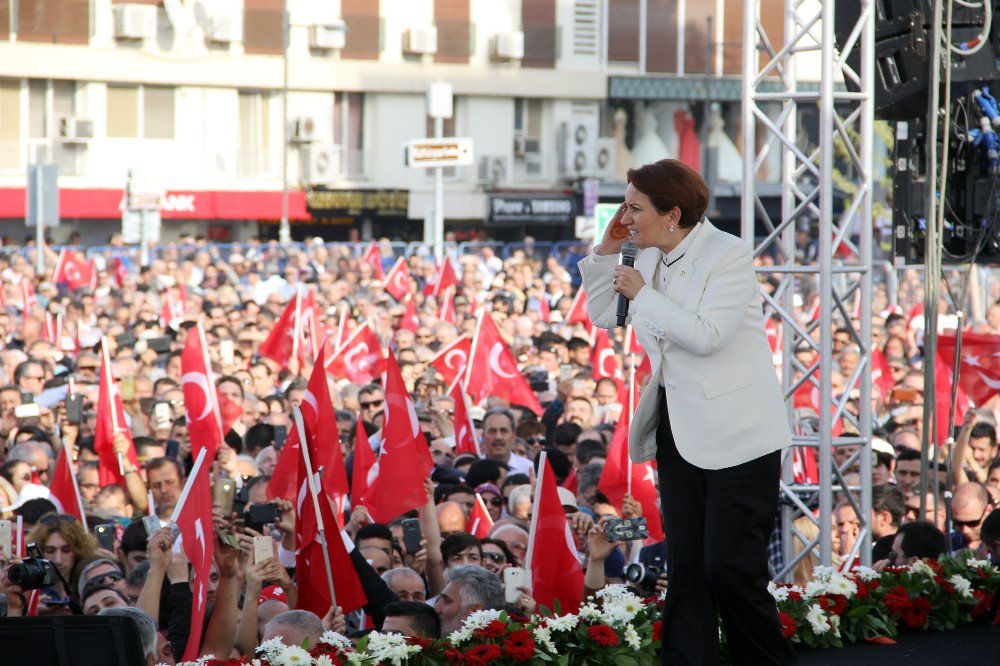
324,164
524,145
135,21
508,46
605,159
579,139
492,169
225,28
70,128
327,37
420,41
302,130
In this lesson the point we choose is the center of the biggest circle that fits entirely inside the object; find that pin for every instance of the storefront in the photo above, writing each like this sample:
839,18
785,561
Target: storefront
546,216
222,216
356,214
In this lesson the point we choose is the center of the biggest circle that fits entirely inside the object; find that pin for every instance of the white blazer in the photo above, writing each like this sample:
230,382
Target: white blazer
707,347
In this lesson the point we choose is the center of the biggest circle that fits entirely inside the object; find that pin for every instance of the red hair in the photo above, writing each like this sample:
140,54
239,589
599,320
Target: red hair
670,184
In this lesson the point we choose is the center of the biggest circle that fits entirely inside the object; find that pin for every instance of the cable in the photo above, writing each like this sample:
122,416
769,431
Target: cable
982,38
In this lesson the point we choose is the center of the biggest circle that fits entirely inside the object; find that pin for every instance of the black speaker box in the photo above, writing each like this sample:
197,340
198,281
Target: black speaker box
70,641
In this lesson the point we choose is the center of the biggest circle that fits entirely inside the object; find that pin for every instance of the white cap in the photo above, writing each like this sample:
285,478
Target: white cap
28,492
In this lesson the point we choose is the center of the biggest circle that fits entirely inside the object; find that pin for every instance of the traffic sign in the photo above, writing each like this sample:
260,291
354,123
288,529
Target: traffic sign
44,177
439,152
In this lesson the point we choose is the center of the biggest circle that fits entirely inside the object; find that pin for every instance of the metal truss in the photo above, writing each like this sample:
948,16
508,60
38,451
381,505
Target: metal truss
842,272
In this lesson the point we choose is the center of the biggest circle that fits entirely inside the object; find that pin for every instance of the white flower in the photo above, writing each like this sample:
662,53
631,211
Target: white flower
391,648
589,611
543,635
632,638
613,592
842,585
817,618
867,574
336,640
566,622
779,593
962,586
973,563
815,587
481,618
355,659
272,648
324,660
920,568
835,623
460,635
293,655
822,573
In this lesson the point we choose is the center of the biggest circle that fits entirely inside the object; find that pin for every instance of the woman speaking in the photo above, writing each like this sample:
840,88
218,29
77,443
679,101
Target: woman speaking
712,414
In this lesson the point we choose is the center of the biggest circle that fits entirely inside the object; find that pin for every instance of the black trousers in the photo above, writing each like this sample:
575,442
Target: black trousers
718,523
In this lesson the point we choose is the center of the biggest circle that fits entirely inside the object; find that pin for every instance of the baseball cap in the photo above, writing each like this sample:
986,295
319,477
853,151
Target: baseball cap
567,499
272,592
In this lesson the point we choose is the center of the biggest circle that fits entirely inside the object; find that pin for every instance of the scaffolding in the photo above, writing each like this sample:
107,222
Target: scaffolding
841,274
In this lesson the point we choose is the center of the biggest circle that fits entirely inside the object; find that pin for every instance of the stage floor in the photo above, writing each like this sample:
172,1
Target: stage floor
976,645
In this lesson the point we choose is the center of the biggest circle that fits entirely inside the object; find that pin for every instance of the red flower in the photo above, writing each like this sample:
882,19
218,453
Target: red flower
947,587
603,635
985,602
454,656
519,646
657,629
788,626
794,595
492,630
897,600
916,616
481,654
419,641
835,603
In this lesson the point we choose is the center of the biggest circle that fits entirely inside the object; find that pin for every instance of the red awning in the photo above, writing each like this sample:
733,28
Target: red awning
177,205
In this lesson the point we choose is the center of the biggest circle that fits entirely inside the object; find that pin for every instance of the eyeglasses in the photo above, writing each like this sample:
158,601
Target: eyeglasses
87,368
495,501
105,579
497,558
370,404
970,523
535,440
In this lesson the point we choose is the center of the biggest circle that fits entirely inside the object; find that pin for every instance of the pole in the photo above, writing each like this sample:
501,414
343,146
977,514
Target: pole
39,220
630,406
314,492
438,197
708,163
284,231
542,459
143,237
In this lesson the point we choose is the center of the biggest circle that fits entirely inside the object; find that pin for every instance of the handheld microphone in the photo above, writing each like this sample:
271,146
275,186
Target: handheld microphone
629,251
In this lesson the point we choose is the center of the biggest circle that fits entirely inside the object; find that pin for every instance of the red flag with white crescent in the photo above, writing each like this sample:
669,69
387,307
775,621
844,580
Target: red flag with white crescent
493,371
603,359
110,420
64,490
556,574
453,359
365,469
444,278
577,313
201,403
480,522
410,320
465,430
73,270
398,282
360,358
193,516
373,259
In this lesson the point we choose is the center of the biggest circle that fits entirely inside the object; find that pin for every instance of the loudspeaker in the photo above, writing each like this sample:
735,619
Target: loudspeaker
70,641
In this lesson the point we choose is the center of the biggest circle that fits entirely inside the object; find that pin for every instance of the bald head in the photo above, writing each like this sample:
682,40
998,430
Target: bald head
970,495
451,517
512,535
294,628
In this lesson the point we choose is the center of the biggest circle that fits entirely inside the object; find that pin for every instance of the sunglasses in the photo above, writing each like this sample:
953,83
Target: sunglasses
105,578
495,501
535,440
370,404
57,518
497,558
970,523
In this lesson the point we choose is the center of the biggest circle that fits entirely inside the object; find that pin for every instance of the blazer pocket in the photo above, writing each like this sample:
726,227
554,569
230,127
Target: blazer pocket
721,384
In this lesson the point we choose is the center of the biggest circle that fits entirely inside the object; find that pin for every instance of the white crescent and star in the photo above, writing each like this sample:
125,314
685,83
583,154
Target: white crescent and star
201,381
603,358
495,362
463,359
362,350
992,383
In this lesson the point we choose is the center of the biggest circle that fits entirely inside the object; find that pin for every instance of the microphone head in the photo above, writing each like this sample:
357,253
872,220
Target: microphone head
630,249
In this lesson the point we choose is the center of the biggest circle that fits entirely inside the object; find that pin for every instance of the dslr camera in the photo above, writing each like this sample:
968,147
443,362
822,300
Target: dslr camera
642,576
33,572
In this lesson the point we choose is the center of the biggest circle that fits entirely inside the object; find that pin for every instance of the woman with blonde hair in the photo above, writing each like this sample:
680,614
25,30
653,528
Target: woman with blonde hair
806,531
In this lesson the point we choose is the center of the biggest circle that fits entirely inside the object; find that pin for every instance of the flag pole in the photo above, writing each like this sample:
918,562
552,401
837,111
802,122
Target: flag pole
535,510
298,322
55,273
106,361
468,413
482,507
475,341
195,469
76,488
631,409
314,492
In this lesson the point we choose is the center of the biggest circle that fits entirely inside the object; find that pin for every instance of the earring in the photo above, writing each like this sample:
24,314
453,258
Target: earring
671,229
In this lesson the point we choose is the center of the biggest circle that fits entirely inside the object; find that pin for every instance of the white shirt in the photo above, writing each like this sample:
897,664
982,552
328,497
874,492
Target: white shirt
518,464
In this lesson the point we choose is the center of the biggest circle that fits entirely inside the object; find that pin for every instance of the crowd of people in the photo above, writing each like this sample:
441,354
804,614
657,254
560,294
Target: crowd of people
54,339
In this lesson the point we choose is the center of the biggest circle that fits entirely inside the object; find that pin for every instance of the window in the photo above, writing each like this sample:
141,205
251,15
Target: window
10,110
140,112
349,131
254,133
48,101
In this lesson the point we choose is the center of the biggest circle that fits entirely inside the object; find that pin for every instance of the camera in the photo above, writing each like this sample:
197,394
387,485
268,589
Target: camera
34,572
259,515
642,576
538,380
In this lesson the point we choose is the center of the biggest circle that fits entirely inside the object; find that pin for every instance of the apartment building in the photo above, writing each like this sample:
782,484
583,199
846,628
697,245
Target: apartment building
558,96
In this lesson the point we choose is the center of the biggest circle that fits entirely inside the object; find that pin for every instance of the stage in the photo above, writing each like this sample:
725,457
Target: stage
975,645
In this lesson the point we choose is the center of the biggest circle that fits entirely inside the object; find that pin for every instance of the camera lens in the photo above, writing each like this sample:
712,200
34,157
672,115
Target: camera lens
29,574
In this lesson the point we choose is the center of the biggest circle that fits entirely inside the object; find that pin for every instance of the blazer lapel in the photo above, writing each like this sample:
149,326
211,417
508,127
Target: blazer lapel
681,276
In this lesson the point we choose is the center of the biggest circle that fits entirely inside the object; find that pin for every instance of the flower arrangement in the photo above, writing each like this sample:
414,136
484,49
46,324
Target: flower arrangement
617,627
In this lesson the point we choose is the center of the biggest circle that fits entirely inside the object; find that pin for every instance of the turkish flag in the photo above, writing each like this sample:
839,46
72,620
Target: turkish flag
281,344
64,491
110,420
614,479
453,359
119,270
229,410
556,574
602,356
405,460
193,516
632,345
410,321
882,373
360,358
201,404
173,306
804,465
284,481
398,282
309,327
465,431
28,299
365,467
577,313
73,270
373,259
444,279
544,311
310,567
342,329
942,386
447,310
492,370
979,372
480,521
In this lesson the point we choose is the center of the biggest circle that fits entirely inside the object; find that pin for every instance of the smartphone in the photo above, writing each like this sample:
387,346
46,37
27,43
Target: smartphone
225,491
226,352
411,535
904,395
6,539
27,411
126,339
128,387
173,448
152,524
27,397
159,345
280,433
161,416
263,548
74,408
513,578
105,536
257,516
